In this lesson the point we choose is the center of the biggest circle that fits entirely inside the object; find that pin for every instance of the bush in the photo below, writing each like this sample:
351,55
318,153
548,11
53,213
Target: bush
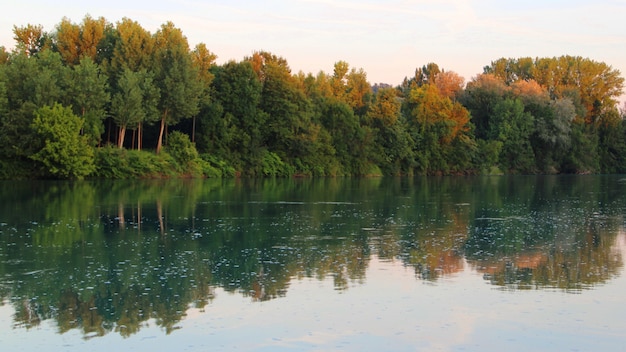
181,148
65,153
113,162
273,165
215,167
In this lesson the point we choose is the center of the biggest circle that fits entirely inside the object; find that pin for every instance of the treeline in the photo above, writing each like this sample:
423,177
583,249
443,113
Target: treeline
86,99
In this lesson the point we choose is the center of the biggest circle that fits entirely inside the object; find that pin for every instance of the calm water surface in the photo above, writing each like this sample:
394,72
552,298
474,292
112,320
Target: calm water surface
484,263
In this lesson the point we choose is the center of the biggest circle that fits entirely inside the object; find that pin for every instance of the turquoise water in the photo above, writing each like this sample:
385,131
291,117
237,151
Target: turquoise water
479,263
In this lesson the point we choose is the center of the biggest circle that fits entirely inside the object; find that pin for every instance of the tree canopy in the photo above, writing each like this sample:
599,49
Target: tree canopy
118,84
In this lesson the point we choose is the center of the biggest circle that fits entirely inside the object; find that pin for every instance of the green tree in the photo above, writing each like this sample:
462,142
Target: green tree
612,143
231,125
552,135
582,156
480,97
88,95
289,131
30,83
393,145
203,60
347,136
127,103
176,76
512,126
64,152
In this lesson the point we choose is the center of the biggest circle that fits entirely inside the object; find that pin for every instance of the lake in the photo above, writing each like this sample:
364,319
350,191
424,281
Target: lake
403,264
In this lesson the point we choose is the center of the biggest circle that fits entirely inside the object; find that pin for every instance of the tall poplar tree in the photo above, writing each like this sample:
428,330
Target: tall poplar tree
134,103
176,76
88,95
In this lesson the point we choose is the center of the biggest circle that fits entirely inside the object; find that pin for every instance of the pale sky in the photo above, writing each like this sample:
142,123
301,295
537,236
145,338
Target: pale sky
388,39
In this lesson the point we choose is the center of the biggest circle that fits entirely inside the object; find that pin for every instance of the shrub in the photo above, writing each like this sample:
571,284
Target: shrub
65,153
181,148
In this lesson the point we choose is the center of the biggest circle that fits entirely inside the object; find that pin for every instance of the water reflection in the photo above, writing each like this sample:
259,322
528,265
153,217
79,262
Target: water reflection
109,256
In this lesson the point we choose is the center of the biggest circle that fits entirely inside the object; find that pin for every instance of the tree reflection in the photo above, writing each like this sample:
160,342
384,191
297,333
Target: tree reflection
561,235
108,257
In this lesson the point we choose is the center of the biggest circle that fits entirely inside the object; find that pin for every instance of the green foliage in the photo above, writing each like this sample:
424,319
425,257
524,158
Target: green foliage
64,152
88,95
273,165
512,126
552,135
582,157
176,77
346,134
215,167
115,163
612,144
256,118
230,126
180,147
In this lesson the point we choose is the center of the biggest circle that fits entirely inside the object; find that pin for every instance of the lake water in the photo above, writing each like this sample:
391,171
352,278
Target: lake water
403,264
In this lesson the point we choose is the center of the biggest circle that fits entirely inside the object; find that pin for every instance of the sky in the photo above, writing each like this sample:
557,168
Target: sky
387,39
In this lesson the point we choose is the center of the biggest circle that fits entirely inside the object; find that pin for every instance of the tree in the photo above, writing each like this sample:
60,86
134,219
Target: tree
597,84
67,41
288,130
440,129
133,48
78,41
88,95
582,156
31,83
450,84
612,143
203,60
358,91
350,86
176,77
481,95
4,56
512,126
338,80
392,143
93,31
551,138
231,124
30,39
127,103
64,152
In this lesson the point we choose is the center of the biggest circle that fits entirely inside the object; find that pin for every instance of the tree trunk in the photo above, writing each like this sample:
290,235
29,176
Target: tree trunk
193,129
139,138
160,140
109,132
120,138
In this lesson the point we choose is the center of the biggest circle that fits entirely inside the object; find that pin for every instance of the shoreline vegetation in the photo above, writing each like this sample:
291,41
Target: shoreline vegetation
97,99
